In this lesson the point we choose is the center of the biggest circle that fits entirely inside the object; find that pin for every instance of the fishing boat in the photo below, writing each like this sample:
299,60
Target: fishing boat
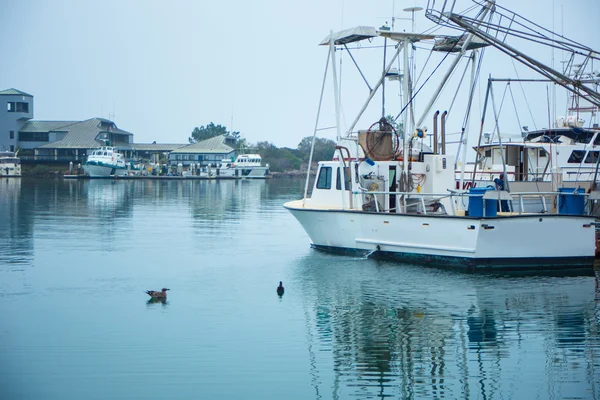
105,162
386,195
10,164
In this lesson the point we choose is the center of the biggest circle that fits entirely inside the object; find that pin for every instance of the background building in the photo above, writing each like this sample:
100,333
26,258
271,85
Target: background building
65,141
16,108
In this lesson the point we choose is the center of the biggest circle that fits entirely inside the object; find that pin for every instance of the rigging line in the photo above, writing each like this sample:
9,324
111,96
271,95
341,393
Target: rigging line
421,87
479,62
424,65
470,105
523,91
462,77
515,106
496,116
462,133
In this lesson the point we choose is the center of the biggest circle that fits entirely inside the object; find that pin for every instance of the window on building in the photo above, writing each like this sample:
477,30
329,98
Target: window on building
12,148
23,107
18,106
33,136
12,134
324,181
576,157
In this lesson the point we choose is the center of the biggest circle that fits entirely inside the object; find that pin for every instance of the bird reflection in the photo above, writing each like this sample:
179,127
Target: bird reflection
155,300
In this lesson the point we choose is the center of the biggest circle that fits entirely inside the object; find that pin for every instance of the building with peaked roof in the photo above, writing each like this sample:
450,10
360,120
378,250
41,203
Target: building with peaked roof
66,141
17,111
206,152
54,141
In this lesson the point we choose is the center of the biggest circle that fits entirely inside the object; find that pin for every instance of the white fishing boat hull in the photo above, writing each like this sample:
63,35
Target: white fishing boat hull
104,171
105,162
252,172
506,242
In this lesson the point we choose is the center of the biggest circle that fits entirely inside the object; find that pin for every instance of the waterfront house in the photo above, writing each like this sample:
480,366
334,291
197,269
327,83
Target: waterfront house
206,152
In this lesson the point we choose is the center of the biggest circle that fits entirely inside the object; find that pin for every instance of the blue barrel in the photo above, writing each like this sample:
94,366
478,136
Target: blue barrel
477,205
571,204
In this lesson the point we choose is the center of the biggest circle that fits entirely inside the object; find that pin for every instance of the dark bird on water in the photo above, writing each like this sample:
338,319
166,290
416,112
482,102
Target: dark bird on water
280,289
157,295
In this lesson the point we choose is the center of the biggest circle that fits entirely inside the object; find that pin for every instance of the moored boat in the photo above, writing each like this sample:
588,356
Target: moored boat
105,162
10,164
381,197
244,166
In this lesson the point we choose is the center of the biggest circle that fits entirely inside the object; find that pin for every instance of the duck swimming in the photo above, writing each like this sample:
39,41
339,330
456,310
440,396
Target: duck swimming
280,289
158,295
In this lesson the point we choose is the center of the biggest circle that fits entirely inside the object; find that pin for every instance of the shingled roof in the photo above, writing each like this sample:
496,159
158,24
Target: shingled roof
79,135
46,126
157,146
213,145
12,92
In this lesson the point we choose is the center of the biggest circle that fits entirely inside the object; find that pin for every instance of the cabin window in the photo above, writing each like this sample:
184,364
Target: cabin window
324,181
338,180
488,153
592,157
543,153
576,157
12,134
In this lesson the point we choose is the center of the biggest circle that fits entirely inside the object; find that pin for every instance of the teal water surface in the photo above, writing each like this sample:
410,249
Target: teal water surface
77,256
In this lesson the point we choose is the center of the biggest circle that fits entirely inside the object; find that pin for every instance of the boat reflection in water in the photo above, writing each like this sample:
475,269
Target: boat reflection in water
388,330
16,244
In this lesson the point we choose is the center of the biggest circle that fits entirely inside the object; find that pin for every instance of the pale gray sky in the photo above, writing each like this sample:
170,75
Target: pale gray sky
158,69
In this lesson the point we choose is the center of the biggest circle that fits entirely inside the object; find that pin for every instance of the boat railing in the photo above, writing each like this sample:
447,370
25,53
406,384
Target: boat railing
425,200
571,173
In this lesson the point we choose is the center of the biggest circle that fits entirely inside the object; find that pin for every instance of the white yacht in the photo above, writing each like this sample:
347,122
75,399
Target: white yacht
10,164
105,162
244,166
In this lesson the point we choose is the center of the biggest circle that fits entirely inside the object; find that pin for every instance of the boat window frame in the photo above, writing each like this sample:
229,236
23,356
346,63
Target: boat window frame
338,179
324,178
592,157
576,157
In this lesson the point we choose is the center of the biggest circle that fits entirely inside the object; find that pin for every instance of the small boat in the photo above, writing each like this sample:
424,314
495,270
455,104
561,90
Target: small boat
10,164
105,162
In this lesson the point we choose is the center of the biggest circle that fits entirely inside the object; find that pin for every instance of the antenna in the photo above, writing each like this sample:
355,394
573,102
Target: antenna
413,10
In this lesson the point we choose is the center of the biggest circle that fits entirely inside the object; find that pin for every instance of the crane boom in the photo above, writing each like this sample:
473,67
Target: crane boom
504,24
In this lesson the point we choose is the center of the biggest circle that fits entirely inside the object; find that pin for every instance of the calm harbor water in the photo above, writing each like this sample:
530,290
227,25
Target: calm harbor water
77,256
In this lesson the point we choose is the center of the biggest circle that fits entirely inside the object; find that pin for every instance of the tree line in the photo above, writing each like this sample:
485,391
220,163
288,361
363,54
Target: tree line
282,159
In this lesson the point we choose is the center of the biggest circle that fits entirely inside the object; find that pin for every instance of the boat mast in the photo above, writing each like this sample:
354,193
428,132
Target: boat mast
336,90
